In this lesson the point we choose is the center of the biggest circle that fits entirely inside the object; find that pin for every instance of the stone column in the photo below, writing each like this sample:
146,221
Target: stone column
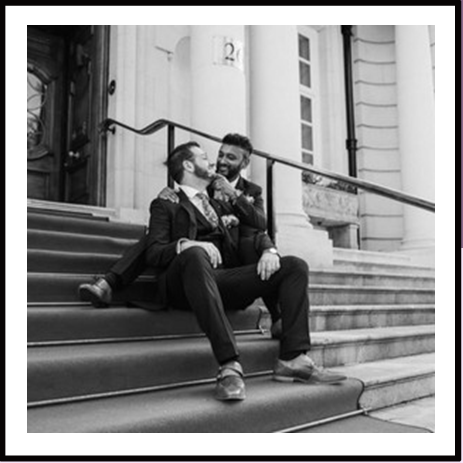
133,163
275,128
416,134
122,107
218,98
333,100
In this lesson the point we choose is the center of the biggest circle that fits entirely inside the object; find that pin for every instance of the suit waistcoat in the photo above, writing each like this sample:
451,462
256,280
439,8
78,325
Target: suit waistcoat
205,232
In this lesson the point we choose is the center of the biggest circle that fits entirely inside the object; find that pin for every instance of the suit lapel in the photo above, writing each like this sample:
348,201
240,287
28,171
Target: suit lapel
185,219
240,184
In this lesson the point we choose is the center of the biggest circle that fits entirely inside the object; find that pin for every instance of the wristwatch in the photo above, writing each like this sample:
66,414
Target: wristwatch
272,251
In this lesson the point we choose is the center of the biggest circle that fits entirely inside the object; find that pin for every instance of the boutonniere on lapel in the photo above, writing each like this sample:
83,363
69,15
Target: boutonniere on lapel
230,220
249,198
218,195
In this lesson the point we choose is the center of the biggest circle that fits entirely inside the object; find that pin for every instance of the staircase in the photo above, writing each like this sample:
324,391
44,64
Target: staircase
127,369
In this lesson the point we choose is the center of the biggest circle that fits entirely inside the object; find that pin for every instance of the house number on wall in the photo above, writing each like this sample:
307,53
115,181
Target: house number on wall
228,52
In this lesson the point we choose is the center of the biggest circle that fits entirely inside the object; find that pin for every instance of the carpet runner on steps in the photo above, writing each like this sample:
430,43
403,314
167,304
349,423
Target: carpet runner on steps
270,407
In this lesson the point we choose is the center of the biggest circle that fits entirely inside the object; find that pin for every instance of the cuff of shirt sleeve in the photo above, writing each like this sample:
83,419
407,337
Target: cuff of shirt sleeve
180,242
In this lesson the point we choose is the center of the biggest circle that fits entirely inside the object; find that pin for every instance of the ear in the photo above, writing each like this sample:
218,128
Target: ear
245,162
188,166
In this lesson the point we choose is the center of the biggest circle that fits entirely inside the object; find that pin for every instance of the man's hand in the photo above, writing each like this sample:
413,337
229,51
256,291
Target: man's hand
169,194
211,249
230,220
222,185
268,264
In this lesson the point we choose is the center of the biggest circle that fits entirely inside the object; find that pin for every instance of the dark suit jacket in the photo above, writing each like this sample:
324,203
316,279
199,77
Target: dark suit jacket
253,239
250,204
169,222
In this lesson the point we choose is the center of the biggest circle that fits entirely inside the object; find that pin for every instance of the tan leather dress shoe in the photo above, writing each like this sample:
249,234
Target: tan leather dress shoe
98,293
303,369
230,383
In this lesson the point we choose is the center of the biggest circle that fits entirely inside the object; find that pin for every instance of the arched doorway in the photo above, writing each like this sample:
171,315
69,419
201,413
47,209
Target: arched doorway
67,69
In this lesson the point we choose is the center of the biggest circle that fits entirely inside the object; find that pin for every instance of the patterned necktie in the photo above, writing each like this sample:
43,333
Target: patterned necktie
209,211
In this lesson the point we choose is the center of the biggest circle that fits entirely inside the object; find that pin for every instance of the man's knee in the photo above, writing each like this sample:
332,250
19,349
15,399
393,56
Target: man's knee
295,264
195,255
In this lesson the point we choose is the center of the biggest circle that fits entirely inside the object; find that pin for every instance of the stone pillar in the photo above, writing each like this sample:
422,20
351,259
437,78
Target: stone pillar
218,92
134,163
122,107
275,128
416,134
333,100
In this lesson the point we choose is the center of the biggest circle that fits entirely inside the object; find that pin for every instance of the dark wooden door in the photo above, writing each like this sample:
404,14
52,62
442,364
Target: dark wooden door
67,68
45,93
84,167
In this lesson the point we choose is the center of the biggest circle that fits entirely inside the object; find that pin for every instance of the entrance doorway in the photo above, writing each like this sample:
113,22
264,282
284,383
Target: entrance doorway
67,71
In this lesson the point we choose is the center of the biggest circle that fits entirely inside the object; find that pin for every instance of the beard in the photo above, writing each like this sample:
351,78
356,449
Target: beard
205,174
228,172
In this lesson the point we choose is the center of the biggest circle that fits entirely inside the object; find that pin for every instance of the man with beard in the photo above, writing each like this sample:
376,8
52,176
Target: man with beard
229,185
199,270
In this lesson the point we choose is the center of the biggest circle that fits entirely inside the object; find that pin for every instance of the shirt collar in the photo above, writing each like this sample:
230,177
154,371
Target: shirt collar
234,183
190,191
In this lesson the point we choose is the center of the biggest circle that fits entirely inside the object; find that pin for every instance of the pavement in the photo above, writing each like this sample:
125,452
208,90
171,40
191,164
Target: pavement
415,413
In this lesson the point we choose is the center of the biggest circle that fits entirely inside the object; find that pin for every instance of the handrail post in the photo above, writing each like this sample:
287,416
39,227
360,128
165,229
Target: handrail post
351,142
170,148
270,213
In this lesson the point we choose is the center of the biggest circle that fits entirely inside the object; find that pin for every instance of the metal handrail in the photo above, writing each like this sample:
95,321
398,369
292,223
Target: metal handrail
359,183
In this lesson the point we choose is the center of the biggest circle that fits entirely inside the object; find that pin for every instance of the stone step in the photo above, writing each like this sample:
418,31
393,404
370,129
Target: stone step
350,347
417,412
77,242
84,223
393,381
390,262
60,287
361,295
52,324
77,370
408,269
47,261
333,318
40,206
79,323
360,256
369,278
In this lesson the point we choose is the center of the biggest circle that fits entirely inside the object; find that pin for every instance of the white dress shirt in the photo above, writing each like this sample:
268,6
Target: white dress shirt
191,193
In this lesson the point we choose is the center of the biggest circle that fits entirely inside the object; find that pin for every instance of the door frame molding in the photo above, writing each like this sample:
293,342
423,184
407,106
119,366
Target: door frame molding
99,164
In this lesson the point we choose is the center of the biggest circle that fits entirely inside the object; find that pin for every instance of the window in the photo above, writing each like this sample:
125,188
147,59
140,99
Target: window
36,97
306,81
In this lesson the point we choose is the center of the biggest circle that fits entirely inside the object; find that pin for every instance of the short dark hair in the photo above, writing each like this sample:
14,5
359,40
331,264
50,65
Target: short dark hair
235,139
177,156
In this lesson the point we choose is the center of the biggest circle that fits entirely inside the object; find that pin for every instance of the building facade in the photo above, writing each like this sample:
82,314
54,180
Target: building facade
283,86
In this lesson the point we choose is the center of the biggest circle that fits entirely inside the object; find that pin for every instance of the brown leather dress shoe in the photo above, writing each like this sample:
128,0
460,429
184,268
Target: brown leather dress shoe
230,384
98,293
303,369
